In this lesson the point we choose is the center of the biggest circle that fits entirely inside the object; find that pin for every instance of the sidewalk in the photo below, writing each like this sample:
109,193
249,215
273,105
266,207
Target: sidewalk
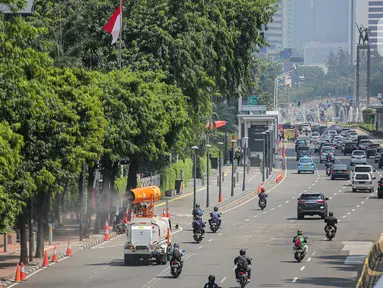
9,260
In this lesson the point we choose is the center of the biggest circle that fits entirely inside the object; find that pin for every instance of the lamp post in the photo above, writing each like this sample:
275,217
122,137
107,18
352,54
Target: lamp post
267,159
263,155
207,174
195,148
232,168
244,141
220,173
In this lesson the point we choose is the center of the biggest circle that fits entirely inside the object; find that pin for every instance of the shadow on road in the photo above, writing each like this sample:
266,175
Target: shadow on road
113,263
165,277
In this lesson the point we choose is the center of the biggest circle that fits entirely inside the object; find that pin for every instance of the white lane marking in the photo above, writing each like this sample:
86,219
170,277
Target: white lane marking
303,268
106,267
303,192
316,181
189,224
330,198
200,247
340,190
358,206
103,243
313,184
308,260
353,210
295,279
310,187
362,202
223,280
220,234
252,178
210,240
279,206
287,201
292,221
335,194
234,267
367,197
344,217
246,220
255,216
313,253
272,209
293,197
264,212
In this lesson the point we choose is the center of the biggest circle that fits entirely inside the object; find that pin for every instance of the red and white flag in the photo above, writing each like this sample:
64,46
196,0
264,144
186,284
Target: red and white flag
114,24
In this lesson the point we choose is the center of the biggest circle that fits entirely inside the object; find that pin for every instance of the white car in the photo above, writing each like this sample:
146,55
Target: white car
353,136
365,169
344,132
362,181
332,133
314,137
358,157
364,144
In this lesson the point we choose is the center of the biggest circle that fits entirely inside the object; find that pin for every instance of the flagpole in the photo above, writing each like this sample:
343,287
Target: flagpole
120,56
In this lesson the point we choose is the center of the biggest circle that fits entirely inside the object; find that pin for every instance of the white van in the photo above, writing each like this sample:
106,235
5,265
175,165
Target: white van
365,169
362,181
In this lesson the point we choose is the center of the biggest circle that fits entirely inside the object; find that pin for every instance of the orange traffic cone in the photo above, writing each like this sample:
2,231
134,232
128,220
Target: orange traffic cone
22,272
69,249
106,231
45,261
220,198
18,274
54,257
163,213
167,213
1,285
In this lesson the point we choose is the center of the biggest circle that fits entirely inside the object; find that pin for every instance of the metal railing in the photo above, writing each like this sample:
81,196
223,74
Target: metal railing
372,269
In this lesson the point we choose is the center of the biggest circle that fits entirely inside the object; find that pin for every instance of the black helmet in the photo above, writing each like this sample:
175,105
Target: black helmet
330,213
196,205
211,278
215,208
242,252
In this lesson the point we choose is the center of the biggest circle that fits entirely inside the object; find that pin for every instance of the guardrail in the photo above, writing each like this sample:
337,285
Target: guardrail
372,269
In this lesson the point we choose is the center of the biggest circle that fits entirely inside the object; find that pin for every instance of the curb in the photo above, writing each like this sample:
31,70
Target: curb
36,266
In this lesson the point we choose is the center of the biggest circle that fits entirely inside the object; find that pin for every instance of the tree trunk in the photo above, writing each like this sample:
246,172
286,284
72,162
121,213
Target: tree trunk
43,211
132,174
23,237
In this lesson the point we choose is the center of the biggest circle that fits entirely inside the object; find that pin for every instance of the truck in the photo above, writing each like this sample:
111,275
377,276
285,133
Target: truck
148,237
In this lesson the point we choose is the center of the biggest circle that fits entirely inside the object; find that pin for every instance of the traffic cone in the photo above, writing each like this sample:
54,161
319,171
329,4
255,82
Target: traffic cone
22,272
17,275
1,285
69,249
167,213
45,261
220,198
106,231
163,213
54,257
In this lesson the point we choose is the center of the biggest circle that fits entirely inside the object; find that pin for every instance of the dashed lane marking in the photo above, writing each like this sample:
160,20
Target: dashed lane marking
295,279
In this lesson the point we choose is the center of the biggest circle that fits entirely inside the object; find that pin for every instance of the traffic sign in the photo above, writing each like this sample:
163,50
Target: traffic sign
252,100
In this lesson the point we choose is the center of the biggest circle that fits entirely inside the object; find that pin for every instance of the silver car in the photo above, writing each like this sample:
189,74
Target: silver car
314,137
353,136
364,144
358,157
362,181
379,153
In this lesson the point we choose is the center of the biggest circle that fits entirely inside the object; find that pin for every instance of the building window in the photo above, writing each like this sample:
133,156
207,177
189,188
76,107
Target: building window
375,3
372,16
375,9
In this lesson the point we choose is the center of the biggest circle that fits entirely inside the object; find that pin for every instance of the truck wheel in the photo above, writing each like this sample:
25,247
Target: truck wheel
163,260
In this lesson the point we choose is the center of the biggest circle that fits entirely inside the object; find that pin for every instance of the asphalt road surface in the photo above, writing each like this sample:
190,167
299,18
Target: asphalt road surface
267,235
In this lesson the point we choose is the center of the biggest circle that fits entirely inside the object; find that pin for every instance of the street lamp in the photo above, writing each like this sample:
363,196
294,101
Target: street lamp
207,174
267,144
244,141
232,168
263,155
220,172
195,148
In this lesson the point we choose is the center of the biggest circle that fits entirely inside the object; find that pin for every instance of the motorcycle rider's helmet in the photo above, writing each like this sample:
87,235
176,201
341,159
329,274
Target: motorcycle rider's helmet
215,209
211,278
299,232
242,252
197,205
330,213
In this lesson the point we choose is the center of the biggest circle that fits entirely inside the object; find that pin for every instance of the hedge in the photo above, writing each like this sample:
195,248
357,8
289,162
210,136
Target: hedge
172,173
201,167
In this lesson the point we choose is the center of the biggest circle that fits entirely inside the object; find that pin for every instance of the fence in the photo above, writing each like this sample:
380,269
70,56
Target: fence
372,269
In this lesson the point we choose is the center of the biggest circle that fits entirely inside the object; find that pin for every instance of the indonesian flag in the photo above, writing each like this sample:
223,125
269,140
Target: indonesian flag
114,25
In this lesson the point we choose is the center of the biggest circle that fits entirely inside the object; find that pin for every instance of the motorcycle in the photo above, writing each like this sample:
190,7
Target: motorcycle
198,236
328,169
121,227
214,226
242,278
175,268
330,232
262,204
299,253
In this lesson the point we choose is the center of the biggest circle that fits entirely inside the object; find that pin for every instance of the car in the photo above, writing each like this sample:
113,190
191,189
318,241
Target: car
332,133
353,136
378,155
344,132
299,143
365,169
349,146
312,204
364,143
372,149
318,145
327,151
358,157
306,164
380,188
306,138
361,137
380,163
340,171
303,151
314,137
362,181
338,140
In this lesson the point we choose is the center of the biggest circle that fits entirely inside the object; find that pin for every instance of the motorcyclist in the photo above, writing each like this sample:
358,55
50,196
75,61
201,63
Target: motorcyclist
262,197
302,240
242,262
215,216
197,211
177,254
211,283
198,225
330,221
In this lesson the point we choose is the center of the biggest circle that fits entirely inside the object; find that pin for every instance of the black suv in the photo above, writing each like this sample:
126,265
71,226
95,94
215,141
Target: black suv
312,204
300,143
349,147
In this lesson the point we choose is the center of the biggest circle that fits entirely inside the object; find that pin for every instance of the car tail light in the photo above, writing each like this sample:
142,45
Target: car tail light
241,273
345,171
174,263
300,202
320,201
380,185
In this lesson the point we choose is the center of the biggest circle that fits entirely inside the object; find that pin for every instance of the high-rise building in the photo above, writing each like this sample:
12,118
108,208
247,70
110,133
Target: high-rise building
375,14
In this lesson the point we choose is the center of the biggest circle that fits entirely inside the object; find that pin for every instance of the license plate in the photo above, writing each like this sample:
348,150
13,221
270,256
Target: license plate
306,165
362,182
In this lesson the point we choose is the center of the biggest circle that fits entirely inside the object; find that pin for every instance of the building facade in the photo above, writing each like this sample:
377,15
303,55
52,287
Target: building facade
375,24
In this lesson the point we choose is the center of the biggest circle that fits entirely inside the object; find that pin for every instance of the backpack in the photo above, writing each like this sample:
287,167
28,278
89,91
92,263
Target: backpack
298,242
177,255
242,263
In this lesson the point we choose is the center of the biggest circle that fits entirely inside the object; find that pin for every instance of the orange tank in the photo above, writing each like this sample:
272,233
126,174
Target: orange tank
143,194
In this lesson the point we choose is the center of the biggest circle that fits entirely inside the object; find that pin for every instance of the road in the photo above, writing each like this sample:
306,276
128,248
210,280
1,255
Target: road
266,235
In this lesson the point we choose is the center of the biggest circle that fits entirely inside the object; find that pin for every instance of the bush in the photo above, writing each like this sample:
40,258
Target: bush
214,152
172,173
202,167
